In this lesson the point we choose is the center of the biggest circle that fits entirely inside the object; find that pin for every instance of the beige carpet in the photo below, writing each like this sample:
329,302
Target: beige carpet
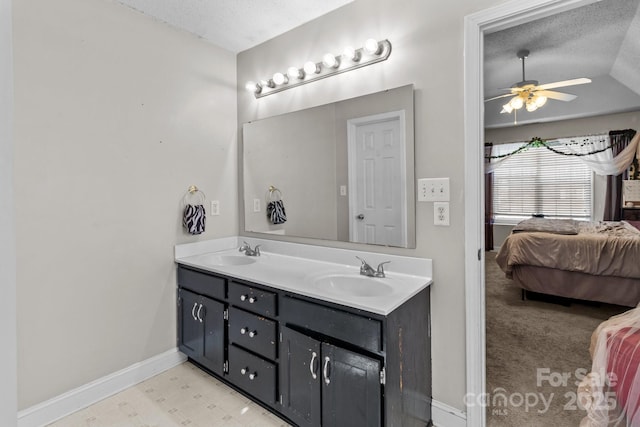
535,353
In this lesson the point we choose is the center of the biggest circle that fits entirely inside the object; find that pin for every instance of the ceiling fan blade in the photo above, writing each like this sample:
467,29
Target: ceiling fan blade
556,95
498,97
564,83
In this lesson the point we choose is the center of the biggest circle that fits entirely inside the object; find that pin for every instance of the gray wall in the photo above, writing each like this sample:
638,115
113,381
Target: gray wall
427,40
8,385
115,116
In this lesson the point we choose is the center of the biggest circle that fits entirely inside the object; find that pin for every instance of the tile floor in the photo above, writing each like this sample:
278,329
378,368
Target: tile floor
181,396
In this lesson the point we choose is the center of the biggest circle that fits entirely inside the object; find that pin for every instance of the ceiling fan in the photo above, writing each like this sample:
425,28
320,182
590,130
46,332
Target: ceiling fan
531,95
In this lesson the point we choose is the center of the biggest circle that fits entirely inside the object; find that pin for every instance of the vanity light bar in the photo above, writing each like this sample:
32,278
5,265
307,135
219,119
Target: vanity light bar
351,59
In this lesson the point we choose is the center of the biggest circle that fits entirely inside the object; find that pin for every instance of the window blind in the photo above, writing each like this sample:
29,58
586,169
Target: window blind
538,181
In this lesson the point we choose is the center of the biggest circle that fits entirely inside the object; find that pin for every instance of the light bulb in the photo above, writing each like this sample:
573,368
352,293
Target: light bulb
516,103
351,53
279,78
294,73
330,61
507,108
541,100
372,47
311,67
251,86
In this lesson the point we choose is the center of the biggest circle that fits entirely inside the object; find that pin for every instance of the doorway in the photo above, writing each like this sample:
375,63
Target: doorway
377,179
476,26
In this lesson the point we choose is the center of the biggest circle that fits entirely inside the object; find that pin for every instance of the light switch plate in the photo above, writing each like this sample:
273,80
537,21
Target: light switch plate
256,205
433,190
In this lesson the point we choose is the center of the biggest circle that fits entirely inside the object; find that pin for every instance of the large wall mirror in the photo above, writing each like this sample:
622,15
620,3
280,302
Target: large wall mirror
342,171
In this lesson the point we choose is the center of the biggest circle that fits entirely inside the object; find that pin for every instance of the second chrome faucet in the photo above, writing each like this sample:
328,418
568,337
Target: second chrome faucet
367,270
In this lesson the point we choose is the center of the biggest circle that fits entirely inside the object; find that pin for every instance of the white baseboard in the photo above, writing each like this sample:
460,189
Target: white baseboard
447,416
88,394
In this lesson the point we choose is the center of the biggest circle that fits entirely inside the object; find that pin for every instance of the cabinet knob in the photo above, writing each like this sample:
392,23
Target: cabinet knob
253,334
243,297
243,371
253,376
252,300
243,331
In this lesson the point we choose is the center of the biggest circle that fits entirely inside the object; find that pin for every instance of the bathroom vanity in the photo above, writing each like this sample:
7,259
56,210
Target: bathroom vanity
309,338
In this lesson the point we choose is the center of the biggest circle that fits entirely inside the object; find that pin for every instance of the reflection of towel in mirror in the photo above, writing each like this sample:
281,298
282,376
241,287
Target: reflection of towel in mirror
275,212
193,218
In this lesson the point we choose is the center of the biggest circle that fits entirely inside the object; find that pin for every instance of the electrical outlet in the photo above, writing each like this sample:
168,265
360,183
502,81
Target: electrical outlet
433,190
441,213
256,205
215,207
343,190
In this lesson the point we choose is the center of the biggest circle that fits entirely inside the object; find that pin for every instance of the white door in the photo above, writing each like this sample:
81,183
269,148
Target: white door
377,178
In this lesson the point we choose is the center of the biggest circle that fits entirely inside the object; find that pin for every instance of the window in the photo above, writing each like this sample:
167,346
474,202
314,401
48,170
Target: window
538,181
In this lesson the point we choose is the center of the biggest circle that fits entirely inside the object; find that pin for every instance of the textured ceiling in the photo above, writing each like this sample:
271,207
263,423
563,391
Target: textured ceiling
235,25
600,41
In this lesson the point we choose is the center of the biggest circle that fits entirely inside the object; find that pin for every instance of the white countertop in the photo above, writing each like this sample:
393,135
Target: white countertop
307,270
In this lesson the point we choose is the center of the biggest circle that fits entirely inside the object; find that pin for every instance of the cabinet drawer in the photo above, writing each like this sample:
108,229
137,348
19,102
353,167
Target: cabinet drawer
201,283
253,332
252,374
352,328
253,299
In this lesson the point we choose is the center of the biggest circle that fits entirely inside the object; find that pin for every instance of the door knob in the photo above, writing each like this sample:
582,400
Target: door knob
360,217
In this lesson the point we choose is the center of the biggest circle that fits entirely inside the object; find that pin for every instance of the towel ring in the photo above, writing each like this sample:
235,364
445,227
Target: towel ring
193,191
273,192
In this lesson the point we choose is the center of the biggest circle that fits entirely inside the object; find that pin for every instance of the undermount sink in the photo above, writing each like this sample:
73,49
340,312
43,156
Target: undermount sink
225,260
353,285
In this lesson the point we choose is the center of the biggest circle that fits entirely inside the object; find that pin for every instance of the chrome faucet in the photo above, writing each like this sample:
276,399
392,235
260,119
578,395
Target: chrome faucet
367,270
246,248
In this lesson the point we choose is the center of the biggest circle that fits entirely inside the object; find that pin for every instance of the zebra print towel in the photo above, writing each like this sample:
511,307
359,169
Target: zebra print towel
193,218
276,213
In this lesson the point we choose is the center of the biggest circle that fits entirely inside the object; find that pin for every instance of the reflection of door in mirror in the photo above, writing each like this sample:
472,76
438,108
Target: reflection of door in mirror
377,168
305,153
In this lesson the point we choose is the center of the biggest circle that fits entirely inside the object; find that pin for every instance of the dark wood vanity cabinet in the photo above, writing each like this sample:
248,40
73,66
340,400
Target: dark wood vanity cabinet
322,384
312,362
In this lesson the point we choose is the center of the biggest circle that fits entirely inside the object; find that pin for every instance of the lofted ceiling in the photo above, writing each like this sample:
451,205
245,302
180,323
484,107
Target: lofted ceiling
600,41
235,25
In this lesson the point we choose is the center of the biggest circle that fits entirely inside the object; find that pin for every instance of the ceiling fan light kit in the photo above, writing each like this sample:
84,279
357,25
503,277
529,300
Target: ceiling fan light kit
530,95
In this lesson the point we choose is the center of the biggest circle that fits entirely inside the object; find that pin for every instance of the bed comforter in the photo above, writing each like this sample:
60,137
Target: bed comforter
597,248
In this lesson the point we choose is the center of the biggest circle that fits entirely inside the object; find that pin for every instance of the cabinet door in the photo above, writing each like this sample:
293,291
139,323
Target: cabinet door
190,330
212,315
300,378
201,329
351,390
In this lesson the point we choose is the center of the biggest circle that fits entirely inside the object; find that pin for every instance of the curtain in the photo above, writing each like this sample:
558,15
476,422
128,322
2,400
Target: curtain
613,199
488,202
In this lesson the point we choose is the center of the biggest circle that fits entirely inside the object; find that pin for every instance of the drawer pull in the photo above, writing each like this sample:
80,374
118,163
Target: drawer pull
252,300
243,297
253,376
325,371
253,334
193,311
243,331
244,371
312,365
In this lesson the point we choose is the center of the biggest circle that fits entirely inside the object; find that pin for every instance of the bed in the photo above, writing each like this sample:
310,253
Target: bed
593,261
